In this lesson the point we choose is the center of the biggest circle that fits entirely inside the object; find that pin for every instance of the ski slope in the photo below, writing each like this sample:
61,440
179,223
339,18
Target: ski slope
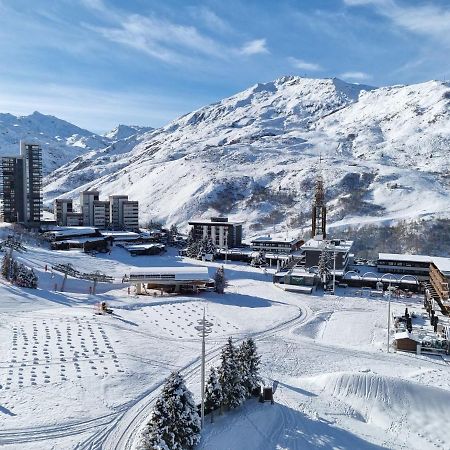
73,380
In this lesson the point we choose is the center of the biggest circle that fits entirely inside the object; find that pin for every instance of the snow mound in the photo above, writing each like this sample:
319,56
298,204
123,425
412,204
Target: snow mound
384,401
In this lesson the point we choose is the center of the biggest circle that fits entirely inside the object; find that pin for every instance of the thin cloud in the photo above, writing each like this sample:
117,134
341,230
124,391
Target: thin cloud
255,47
356,76
428,20
305,65
210,19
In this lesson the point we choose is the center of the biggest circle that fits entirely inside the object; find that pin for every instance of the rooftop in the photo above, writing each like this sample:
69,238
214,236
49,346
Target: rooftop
333,244
214,221
275,240
403,257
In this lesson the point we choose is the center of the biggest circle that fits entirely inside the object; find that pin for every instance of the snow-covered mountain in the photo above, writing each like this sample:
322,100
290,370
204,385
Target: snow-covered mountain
61,141
384,151
125,131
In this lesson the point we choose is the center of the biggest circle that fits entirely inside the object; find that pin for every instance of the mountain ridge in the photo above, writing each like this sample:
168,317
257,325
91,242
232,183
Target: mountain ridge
254,154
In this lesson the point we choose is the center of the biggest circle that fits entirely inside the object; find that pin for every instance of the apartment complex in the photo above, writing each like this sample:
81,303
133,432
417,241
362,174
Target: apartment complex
117,212
21,185
223,233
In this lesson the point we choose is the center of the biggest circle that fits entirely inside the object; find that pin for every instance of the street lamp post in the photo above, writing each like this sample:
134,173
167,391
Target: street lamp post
203,328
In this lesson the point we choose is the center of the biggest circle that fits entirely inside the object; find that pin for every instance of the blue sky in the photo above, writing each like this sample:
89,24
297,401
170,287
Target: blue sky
98,63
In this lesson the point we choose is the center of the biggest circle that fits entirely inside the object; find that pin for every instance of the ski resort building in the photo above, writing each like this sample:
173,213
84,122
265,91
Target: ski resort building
276,245
169,279
21,185
340,253
62,206
220,230
416,265
123,213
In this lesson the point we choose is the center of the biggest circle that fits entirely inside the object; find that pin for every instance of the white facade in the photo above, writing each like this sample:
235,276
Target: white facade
124,213
87,199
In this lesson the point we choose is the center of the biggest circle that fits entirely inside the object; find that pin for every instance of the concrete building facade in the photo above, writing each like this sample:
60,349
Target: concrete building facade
21,185
220,230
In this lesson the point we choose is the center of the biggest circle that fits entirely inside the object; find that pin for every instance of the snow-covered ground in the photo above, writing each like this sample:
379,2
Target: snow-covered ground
71,379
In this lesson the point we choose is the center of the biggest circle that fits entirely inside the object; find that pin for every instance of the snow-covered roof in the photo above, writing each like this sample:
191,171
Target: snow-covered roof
176,273
211,222
275,240
118,235
142,246
72,231
334,244
81,240
443,264
404,257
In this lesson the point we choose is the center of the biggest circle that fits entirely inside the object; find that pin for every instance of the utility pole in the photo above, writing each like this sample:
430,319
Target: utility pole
334,271
203,328
389,315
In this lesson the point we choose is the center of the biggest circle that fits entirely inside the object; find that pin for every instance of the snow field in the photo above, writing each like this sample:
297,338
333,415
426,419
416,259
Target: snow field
45,350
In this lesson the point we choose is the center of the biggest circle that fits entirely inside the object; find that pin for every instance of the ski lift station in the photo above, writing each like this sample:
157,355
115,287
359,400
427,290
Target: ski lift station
169,279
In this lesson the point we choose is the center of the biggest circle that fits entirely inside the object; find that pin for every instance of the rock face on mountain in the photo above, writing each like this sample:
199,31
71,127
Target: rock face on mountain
255,155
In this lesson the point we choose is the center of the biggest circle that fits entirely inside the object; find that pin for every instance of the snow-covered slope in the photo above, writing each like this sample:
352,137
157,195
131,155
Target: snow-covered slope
61,141
384,151
125,131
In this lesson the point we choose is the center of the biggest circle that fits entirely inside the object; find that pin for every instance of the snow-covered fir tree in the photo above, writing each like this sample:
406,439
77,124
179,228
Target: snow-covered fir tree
233,391
6,265
25,277
249,363
213,393
219,280
324,265
208,247
258,260
175,422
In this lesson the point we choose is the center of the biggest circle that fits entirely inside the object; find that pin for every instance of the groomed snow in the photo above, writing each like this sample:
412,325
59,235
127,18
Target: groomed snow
71,379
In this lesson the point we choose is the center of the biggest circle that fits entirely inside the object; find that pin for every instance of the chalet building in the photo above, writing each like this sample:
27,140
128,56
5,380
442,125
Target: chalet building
21,185
340,250
276,245
223,233
416,265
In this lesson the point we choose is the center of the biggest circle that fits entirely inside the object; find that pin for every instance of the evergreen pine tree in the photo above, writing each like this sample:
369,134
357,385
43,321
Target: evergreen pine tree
6,265
213,393
219,280
233,390
175,422
249,363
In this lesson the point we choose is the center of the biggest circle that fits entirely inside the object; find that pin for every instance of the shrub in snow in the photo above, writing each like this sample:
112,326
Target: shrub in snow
25,277
249,362
233,391
219,280
175,422
213,393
